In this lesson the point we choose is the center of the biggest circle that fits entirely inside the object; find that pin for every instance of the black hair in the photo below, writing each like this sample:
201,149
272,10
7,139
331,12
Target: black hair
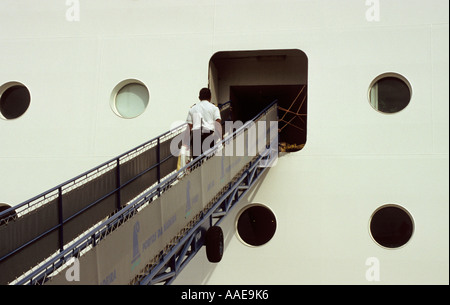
205,94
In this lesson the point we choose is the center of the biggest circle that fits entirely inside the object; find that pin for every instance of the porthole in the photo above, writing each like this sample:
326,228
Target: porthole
14,100
256,225
390,93
391,226
5,218
129,99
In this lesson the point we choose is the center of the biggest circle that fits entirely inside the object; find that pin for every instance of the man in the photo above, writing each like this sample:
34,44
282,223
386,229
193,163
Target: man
204,123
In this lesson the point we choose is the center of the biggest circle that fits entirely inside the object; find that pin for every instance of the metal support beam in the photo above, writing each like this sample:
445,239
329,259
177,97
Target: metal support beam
183,248
181,254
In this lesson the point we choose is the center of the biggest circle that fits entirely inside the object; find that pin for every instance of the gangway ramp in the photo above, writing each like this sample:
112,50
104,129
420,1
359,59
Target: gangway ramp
135,228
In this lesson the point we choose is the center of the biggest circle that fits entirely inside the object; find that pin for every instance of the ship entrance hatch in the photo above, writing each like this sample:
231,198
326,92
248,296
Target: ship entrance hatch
251,80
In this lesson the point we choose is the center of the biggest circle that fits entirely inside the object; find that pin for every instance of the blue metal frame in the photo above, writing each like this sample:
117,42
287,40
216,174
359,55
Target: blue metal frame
172,263
10,213
181,254
97,168
177,257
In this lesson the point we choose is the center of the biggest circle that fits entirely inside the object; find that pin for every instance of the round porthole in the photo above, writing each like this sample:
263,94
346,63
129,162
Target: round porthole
129,98
391,226
14,100
390,93
256,225
5,218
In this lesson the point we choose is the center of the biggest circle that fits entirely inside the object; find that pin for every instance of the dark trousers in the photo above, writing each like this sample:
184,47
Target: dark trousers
197,140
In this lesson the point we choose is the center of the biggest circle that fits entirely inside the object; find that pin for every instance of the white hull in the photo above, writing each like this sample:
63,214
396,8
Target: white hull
355,159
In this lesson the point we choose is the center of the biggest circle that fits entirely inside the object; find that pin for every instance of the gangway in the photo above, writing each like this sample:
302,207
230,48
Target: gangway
136,219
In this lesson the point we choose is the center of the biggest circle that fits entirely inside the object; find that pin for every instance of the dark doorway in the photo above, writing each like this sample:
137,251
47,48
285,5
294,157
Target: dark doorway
251,80
248,101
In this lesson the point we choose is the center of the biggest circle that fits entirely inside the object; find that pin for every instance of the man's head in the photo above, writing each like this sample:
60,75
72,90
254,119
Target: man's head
205,94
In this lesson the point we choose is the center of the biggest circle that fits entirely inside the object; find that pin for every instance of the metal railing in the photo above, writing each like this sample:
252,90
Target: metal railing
163,175
59,202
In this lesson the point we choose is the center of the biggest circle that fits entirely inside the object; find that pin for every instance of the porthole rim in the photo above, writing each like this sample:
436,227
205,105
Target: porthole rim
12,213
404,210
395,75
120,86
238,215
4,87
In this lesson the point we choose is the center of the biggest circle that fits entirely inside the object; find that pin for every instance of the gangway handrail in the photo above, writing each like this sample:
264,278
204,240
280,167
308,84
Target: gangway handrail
58,192
183,252
86,173
98,232
7,214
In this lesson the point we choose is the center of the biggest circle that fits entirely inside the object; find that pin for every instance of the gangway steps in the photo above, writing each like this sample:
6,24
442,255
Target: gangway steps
182,253
178,249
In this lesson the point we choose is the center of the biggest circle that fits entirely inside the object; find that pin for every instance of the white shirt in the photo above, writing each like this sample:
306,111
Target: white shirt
203,114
